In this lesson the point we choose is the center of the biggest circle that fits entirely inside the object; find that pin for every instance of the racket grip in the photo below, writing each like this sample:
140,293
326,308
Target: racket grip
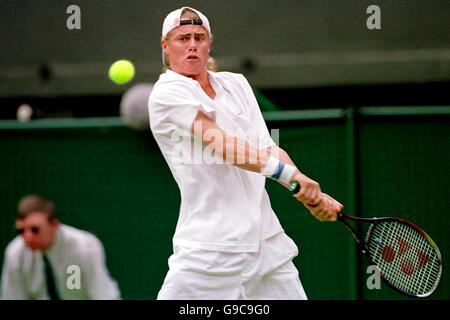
294,187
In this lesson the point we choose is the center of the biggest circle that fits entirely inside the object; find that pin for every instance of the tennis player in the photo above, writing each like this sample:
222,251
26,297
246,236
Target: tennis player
228,242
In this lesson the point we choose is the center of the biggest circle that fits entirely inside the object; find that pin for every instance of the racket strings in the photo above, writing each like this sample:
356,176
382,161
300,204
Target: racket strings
407,276
404,278
421,279
429,273
412,262
406,258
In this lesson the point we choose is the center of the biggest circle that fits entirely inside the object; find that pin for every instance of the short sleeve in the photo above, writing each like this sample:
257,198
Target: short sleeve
174,106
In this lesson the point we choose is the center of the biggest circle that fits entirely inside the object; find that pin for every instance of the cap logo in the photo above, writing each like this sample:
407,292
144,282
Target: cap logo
198,22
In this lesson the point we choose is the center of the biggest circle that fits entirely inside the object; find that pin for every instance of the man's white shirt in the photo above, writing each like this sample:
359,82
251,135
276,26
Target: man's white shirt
223,207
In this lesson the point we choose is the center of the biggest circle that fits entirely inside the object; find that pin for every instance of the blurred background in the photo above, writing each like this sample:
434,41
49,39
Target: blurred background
365,112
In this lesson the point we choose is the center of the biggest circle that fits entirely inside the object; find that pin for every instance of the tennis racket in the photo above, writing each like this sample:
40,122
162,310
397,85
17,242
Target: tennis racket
407,258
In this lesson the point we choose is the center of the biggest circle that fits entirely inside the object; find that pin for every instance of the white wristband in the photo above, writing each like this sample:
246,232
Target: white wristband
271,167
278,170
287,173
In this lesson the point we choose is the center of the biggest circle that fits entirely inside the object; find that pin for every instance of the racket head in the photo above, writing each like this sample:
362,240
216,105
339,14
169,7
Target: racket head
408,259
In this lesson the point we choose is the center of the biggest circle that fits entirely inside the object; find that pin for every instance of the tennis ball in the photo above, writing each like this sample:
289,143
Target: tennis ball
121,71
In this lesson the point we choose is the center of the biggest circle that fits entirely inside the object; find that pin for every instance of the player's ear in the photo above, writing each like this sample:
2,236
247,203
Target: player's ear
164,45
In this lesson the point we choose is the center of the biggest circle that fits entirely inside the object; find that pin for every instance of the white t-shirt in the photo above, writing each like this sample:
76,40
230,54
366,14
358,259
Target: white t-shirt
223,207
73,253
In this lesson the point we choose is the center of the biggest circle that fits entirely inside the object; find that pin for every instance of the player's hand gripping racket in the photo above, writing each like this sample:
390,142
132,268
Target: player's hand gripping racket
408,259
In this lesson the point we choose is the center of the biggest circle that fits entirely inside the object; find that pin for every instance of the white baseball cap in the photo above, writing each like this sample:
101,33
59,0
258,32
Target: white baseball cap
173,20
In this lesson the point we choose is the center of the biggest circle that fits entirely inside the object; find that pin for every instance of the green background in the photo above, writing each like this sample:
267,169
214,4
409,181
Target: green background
114,182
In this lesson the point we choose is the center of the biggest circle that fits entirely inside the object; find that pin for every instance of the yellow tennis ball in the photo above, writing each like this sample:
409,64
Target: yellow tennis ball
121,71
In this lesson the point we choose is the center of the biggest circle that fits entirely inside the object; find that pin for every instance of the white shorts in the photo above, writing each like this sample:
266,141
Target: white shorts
269,274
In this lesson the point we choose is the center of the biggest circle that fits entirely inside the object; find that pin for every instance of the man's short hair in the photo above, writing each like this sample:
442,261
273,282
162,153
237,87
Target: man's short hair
34,203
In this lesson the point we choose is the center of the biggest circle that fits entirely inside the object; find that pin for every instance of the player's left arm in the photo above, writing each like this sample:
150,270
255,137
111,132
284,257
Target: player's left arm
278,152
234,150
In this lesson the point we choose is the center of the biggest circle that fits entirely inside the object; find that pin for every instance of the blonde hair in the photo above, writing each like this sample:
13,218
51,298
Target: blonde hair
211,64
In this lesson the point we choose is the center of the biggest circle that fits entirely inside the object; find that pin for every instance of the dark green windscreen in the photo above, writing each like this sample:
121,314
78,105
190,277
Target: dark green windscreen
114,182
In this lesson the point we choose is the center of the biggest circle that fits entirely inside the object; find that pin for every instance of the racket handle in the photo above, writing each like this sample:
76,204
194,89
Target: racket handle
294,187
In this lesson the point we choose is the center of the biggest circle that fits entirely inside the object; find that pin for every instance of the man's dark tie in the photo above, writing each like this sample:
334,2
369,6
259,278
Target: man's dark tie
50,280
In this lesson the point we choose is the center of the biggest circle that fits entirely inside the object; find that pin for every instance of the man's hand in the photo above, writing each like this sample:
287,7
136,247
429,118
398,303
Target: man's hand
310,192
327,209
321,205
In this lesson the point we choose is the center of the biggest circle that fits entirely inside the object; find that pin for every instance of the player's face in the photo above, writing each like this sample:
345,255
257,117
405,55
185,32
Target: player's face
37,231
187,48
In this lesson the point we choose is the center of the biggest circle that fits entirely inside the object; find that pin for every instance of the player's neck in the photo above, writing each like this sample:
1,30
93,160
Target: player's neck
209,90
203,80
